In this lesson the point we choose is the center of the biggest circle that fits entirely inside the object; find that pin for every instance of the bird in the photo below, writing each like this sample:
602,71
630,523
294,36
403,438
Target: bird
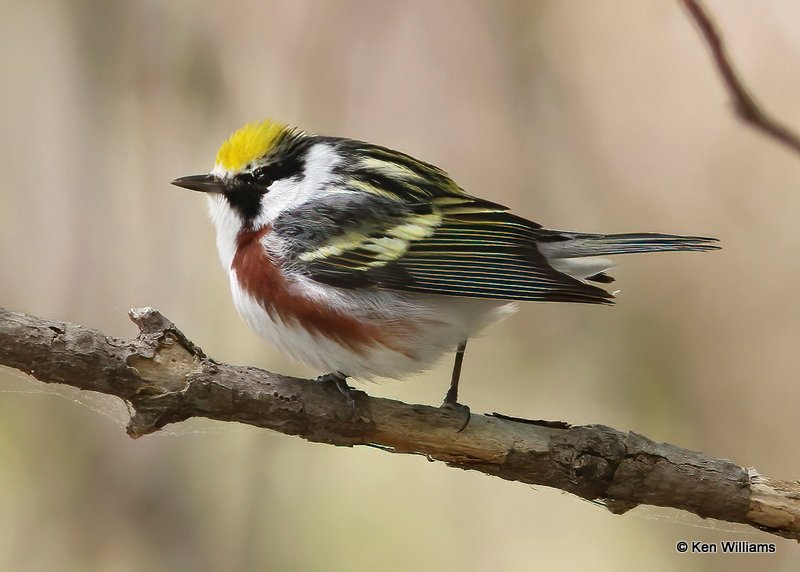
361,261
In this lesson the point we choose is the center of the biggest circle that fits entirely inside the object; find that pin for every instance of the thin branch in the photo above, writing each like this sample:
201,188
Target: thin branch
165,378
747,108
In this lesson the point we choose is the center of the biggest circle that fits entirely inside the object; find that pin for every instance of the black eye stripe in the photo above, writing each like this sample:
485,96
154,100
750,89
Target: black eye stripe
263,176
249,187
266,175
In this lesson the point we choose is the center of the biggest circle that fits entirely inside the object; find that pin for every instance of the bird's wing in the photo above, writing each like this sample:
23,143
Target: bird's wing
451,244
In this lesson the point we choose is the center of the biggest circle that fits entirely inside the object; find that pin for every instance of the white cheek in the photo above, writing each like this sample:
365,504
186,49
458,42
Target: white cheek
288,193
282,195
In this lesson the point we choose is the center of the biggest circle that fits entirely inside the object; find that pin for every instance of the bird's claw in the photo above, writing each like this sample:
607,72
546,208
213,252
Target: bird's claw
339,381
458,408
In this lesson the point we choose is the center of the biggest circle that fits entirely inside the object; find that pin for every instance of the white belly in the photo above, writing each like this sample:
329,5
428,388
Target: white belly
444,322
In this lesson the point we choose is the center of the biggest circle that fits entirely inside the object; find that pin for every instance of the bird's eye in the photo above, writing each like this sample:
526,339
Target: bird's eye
264,176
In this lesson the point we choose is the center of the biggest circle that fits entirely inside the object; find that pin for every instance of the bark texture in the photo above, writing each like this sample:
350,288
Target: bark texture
165,378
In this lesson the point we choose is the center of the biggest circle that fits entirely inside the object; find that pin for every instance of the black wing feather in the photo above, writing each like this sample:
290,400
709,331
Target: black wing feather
476,249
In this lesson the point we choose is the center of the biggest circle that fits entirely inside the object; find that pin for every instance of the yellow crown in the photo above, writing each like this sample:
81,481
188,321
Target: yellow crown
249,143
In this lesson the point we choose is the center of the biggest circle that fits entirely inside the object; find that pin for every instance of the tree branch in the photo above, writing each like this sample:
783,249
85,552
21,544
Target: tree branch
166,379
747,108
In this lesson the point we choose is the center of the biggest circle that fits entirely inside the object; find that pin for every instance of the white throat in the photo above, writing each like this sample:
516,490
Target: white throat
228,224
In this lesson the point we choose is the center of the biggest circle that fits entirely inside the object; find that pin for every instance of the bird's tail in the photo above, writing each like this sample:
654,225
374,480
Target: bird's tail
577,254
577,245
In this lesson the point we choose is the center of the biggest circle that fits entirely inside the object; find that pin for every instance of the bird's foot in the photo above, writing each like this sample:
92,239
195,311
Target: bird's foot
339,380
454,405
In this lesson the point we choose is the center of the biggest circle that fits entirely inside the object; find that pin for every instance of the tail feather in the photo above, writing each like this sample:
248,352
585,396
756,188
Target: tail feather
576,245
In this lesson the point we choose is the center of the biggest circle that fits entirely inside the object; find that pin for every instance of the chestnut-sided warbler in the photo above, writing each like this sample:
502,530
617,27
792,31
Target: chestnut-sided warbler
363,261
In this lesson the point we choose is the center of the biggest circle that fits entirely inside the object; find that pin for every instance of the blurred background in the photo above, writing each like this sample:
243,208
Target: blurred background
599,116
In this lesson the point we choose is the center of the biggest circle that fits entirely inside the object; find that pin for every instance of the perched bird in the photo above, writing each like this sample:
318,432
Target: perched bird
363,261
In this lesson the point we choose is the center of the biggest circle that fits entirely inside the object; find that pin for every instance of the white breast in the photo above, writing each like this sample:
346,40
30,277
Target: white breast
443,323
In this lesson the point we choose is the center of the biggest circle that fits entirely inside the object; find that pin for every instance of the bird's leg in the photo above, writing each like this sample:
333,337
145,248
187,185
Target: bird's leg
452,393
451,399
339,380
